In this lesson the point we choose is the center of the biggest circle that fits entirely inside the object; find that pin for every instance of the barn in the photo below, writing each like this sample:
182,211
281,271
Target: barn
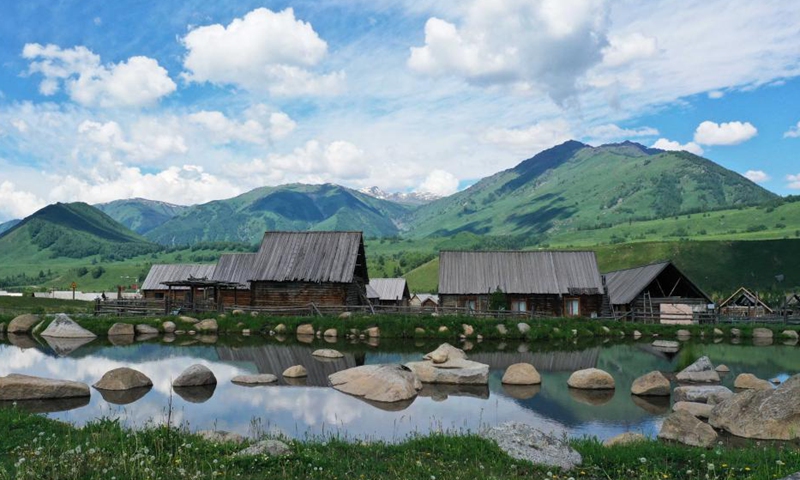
155,285
546,283
389,292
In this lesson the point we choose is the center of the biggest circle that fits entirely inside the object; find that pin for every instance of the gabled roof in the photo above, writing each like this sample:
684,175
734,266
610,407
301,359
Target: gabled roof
389,288
160,273
235,268
318,257
746,295
423,297
372,294
519,272
623,286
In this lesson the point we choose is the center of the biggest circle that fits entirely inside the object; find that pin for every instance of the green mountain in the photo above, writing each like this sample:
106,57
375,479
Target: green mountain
287,207
574,186
70,230
139,214
7,225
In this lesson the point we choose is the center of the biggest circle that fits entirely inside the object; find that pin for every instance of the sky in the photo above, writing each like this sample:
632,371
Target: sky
188,102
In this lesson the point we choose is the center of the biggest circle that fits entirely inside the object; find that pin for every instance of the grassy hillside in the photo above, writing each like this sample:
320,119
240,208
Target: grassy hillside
289,207
7,225
140,215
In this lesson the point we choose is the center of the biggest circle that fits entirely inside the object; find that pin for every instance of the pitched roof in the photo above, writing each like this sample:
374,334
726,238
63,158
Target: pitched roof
389,288
372,294
747,295
310,257
522,272
625,285
423,297
235,268
160,273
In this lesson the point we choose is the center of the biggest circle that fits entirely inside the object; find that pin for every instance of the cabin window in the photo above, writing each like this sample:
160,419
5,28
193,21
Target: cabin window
471,305
573,307
159,295
519,306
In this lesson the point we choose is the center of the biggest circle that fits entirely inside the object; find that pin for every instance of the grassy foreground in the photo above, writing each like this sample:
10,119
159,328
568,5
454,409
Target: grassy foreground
35,447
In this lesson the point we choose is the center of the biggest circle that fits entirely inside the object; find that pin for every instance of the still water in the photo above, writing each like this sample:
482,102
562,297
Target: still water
311,408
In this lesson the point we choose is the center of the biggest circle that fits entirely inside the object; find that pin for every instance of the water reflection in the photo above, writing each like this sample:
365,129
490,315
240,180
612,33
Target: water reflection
124,397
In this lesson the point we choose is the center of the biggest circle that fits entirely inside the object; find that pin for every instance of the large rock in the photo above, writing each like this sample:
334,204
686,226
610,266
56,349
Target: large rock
209,326
260,379
23,323
763,414
121,330
143,329
501,329
65,327
701,371
191,320
683,427
699,393
699,410
268,448
651,384
169,327
444,353
195,376
762,333
373,332
522,374
625,439
456,371
296,371
591,379
467,329
525,442
327,353
330,333
123,379
718,332
523,328
24,387
305,329
666,346
377,383
748,381
790,334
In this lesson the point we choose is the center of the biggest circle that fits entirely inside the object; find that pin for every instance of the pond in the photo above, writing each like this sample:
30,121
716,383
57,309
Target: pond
310,408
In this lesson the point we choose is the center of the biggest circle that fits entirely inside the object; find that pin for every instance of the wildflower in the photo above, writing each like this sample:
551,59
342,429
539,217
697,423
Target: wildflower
746,469
711,466
688,472
642,460
778,462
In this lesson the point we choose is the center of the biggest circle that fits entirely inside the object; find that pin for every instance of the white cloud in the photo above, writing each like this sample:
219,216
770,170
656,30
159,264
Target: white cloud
665,144
610,131
17,203
20,125
716,94
440,183
756,176
138,81
794,181
730,133
547,44
281,125
264,50
622,50
150,140
225,130
530,140
793,132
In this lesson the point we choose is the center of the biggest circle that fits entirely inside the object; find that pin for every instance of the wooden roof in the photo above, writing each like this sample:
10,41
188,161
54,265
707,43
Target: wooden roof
519,272
744,298
177,272
235,268
389,288
623,286
336,257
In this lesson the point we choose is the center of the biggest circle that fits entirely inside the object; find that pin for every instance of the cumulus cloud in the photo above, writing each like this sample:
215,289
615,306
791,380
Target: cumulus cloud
547,44
794,181
793,132
610,131
756,176
665,144
20,125
17,203
530,140
264,50
150,140
622,50
716,94
138,81
440,183
730,133
225,130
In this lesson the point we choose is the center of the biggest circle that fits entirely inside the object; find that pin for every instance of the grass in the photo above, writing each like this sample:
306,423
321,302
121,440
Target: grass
35,447
13,306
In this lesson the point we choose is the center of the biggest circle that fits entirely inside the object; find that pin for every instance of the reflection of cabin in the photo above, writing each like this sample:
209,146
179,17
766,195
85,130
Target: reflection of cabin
299,268
234,269
388,292
155,288
657,291
542,282
424,300
744,303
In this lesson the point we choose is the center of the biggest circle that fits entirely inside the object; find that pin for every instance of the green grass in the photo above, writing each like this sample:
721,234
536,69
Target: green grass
13,306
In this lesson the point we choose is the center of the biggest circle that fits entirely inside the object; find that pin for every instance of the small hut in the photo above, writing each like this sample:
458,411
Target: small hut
389,291
424,300
155,285
744,303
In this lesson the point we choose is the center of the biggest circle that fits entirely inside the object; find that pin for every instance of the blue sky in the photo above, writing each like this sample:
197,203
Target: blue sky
188,102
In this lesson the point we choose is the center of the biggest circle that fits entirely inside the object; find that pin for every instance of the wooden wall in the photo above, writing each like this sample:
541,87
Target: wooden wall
273,294
547,305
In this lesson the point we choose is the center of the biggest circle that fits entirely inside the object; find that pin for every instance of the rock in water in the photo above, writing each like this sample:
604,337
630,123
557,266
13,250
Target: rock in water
297,371
444,353
195,376
209,326
261,379
683,427
305,329
700,393
25,387
652,384
65,327
143,329
701,371
169,327
699,410
377,383
748,381
522,374
762,333
454,371
123,379
524,442
591,379
327,353
772,414
121,329
23,323
624,439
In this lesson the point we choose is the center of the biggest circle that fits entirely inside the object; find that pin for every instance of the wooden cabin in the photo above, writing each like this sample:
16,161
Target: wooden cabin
424,300
656,292
791,304
545,283
744,303
300,268
389,292
155,288
234,269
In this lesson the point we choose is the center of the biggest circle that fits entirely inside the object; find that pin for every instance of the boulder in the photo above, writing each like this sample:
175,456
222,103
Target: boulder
666,346
143,329
121,329
123,379
281,328
606,330
345,315
625,439
305,329
221,436
501,329
715,398
169,327
748,381
722,368
297,371
591,379
16,387
699,393
191,320
522,374
237,312
701,371
444,353
467,329
683,427
419,331
637,334
443,329
454,371
736,332
772,414
23,323
195,376
260,379
327,353
266,448
377,383
373,332
651,384
330,333
718,332
246,332
523,328
208,326
64,327
762,333
525,442
699,410
683,333
792,334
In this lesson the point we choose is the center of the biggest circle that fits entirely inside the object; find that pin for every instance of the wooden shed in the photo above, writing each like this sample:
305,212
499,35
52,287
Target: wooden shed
744,303
656,292
234,268
389,291
154,286
547,283
300,268
424,300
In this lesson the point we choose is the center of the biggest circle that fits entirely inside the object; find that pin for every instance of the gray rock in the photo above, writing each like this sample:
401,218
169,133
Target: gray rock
330,333
327,353
525,442
195,376
260,379
521,374
191,320
625,439
143,329
666,346
123,379
373,332
683,427
523,328
377,383
24,387
718,332
591,379
748,381
736,332
762,333
792,334
221,436
501,329
699,410
169,327
208,326
456,371
65,327
795,476
699,393
121,329
651,384
23,323
716,398
683,333
444,353
297,371
701,371
269,448
722,368
305,329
